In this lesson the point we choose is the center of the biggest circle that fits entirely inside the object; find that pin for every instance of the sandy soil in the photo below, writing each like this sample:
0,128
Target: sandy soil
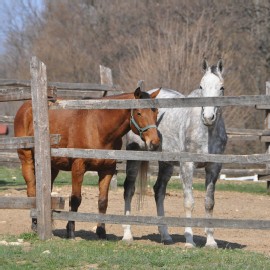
228,205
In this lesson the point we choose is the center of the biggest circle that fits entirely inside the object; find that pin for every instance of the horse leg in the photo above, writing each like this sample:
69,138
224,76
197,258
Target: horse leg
28,172
104,184
77,170
212,171
54,173
132,169
186,173
164,175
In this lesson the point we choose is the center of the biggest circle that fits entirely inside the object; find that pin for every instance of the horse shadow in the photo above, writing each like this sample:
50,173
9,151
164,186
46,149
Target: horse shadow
84,235
154,237
199,240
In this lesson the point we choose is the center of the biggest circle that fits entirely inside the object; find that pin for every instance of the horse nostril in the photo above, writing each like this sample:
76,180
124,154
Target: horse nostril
154,146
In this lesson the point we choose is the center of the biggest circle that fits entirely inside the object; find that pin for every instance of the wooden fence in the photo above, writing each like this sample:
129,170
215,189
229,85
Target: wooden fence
43,152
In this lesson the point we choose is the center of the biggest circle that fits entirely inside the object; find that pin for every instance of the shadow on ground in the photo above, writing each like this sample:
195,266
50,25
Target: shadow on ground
199,240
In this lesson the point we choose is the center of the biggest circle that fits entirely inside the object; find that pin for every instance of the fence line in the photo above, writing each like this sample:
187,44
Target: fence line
162,156
163,103
160,220
42,155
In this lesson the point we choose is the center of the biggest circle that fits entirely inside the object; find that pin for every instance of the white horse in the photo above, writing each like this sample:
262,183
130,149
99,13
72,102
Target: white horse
195,130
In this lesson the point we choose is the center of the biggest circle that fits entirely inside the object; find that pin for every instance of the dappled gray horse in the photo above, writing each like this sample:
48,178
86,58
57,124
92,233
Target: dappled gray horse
195,130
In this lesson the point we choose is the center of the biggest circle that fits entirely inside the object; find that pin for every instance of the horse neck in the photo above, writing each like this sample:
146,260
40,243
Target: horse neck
118,124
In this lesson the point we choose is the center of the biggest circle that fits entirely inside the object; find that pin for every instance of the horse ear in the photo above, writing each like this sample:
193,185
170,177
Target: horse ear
138,93
154,94
205,65
220,65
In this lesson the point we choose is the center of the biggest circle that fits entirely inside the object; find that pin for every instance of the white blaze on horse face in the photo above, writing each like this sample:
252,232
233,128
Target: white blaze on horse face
212,86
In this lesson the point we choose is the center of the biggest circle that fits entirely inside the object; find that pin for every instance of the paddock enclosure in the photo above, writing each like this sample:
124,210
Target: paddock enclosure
39,90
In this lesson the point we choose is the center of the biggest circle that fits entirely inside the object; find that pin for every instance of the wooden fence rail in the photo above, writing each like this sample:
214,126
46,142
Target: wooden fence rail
161,220
24,142
163,103
28,203
162,156
20,89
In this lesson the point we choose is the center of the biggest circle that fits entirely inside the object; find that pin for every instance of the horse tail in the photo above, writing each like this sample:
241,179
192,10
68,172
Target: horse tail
141,184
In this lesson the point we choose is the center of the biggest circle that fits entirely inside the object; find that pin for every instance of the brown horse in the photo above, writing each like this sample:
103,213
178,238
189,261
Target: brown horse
88,129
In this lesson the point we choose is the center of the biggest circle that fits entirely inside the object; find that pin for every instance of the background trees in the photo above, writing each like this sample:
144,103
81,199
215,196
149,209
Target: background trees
161,42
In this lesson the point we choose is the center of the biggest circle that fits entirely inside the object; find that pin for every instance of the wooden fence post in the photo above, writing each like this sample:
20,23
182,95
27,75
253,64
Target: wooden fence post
106,78
42,148
267,126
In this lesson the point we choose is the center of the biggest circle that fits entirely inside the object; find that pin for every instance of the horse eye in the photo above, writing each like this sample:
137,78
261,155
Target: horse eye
200,87
139,114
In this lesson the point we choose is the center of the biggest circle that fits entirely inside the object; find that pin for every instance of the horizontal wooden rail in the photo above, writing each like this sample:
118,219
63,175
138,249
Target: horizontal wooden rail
24,142
28,202
161,156
62,85
162,103
157,220
153,170
9,157
20,93
6,119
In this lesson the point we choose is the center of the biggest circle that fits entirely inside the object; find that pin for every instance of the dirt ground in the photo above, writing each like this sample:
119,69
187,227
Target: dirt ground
228,205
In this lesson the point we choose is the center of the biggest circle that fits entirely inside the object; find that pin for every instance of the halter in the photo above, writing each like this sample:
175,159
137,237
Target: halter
140,130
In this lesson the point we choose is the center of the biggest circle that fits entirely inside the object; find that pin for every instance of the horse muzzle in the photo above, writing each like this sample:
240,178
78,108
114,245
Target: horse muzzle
209,115
152,145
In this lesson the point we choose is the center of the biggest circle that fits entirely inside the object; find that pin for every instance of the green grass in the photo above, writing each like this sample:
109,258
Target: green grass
83,254
94,254
12,177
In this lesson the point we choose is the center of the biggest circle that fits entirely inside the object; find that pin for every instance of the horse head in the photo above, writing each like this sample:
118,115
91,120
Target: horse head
143,121
211,86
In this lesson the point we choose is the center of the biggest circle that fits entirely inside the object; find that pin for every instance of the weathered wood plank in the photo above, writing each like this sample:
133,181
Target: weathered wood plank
79,94
63,85
265,139
162,103
156,220
28,202
153,170
20,93
6,119
42,147
9,157
243,137
106,78
162,156
24,142
244,131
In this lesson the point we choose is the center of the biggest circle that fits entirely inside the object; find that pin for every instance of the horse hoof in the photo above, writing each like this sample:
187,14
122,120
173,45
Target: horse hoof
101,233
127,239
34,225
70,232
190,245
168,242
211,246
70,235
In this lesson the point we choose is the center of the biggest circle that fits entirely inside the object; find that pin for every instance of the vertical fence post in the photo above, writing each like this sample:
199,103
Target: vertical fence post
267,126
106,78
42,147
